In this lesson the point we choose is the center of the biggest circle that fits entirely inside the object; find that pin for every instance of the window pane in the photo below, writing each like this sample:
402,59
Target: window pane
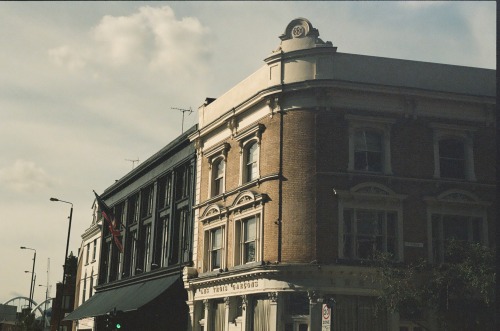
374,162
373,141
451,148
452,158
249,252
250,229
367,151
217,238
455,227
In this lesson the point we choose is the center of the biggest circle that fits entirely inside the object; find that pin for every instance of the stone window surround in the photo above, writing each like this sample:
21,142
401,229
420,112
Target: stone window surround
456,202
371,196
214,155
253,134
381,125
462,133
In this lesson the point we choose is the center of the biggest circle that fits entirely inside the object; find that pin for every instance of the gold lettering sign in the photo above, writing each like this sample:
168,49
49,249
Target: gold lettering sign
219,289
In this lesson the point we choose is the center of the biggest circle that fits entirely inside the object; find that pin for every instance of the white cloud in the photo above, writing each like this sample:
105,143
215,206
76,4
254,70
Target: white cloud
152,37
66,56
24,176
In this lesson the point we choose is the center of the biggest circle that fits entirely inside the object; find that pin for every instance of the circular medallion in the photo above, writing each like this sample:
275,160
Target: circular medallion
298,31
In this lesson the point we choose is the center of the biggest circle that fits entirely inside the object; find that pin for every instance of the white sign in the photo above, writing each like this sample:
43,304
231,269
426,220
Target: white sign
326,319
412,244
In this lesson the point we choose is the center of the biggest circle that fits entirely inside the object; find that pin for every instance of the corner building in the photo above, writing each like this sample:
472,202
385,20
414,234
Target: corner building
316,161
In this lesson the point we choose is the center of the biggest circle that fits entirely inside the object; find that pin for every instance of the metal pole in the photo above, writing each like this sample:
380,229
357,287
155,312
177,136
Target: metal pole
64,267
33,278
65,260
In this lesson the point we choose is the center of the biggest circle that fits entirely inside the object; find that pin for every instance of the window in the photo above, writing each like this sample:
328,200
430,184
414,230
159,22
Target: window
165,231
369,231
165,191
249,142
218,177
133,252
183,181
217,167
453,227
246,237
87,254
451,158
84,292
367,151
147,246
369,144
147,202
67,302
454,215
251,161
94,252
91,288
214,240
370,221
134,205
453,152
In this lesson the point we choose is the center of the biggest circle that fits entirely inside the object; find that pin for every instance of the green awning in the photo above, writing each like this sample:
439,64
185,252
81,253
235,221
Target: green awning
126,298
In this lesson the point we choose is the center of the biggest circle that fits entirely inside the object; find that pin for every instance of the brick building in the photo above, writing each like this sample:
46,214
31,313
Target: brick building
319,159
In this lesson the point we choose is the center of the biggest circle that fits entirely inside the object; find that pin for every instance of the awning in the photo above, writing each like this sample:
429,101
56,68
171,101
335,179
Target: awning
127,298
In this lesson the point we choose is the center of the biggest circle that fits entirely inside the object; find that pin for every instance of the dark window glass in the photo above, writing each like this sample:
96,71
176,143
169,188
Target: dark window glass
368,151
452,158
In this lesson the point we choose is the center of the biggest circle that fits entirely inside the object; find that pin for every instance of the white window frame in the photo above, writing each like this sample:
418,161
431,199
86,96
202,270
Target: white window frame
374,124
376,197
214,176
461,133
456,202
209,248
355,235
214,156
245,153
246,205
239,234
245,138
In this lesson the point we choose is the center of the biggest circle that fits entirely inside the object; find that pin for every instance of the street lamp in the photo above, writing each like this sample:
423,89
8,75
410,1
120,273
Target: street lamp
65,256
33,281
32,284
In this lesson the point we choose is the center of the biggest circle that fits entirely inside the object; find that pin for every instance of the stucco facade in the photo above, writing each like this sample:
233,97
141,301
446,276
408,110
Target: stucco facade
316,161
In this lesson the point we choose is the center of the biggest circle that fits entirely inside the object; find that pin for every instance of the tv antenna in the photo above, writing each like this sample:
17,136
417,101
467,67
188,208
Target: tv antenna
183,111
133,162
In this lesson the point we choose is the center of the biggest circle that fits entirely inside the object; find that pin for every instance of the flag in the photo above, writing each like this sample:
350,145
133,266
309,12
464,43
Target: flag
113,222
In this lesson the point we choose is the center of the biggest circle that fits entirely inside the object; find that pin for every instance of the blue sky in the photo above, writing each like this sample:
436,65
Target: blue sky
87,85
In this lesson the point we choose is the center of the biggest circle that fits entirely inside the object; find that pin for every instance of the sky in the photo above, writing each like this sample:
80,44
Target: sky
85,87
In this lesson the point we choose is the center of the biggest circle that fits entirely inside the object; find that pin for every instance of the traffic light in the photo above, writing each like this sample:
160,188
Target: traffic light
107,321
117,320
113,320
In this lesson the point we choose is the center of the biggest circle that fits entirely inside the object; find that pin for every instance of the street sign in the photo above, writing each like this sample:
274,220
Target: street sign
326,319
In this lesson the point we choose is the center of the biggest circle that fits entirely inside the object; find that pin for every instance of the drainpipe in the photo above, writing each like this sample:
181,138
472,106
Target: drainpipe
280,189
